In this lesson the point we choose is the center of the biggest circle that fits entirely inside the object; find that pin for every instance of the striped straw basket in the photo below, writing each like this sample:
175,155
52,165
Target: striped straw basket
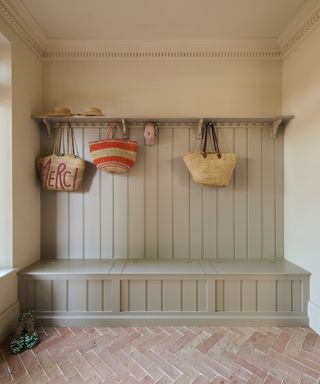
113,155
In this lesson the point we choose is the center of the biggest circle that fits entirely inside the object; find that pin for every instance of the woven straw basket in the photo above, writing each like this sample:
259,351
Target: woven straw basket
63,170
61,173
211,170
113,155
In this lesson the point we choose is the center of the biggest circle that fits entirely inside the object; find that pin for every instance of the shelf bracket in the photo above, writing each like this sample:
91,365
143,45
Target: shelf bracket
275,127
199,130
49,129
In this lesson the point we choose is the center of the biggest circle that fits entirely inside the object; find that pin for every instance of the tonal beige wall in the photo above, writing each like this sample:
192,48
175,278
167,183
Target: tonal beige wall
301,97
166,87
26,99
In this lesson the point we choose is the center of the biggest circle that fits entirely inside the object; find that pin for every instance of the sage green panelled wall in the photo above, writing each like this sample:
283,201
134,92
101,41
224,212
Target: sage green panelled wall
301,96
157,211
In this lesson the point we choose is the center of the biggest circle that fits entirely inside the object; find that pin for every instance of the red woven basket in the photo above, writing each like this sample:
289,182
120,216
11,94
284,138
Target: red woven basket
113,155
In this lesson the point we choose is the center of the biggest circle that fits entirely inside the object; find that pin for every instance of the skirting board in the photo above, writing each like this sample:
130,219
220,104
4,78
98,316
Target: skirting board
314,317
67,320
8,320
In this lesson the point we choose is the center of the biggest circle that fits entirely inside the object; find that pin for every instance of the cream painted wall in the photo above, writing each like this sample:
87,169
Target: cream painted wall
166,87
26,99
5,155
301,97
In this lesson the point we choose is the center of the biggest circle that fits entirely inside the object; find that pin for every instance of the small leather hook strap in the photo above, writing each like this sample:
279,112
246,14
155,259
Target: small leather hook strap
215,140
204,141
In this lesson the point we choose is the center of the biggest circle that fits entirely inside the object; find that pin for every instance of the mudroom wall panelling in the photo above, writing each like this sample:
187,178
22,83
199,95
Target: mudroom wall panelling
156,211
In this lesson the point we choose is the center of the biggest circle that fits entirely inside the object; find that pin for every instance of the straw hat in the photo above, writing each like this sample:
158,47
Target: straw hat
60,111
92,111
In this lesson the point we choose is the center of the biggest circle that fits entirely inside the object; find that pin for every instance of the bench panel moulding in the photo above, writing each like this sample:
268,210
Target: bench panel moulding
197,297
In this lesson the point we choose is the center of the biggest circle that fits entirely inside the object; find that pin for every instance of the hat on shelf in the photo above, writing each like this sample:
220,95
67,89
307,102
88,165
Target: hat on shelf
60,111
92,111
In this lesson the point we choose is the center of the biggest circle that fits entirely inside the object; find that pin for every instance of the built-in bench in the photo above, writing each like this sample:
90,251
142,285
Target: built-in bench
120,292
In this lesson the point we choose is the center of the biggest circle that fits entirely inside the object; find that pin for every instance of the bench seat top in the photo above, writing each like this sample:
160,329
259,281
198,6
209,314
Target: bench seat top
163,267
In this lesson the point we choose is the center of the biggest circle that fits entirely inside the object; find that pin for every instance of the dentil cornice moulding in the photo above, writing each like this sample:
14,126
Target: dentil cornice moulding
300,27
161,49
15,14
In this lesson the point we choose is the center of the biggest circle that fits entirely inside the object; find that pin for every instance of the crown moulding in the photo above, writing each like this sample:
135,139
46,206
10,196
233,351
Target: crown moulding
256,49
130,54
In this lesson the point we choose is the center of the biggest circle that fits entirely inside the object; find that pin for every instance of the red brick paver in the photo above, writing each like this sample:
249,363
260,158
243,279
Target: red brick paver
165,355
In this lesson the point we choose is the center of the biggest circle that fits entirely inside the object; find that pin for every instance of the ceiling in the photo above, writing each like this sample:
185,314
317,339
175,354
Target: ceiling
165,19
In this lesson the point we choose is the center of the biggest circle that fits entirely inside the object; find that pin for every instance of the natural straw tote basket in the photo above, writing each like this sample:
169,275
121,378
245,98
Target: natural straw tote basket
64,169
211,169
113,155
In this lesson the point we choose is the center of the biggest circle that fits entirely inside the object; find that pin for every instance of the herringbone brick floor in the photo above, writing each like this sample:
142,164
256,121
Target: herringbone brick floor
164,355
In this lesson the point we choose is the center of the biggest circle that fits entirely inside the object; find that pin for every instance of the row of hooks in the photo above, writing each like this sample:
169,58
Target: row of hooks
77,121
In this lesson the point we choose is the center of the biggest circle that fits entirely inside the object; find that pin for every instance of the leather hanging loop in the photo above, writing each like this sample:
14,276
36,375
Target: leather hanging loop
214,140
204,141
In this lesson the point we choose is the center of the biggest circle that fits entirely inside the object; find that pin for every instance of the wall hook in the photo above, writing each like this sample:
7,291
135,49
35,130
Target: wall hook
49,129
124,128
199,131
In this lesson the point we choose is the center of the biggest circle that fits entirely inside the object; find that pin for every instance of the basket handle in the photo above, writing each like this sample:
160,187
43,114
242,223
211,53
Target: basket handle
209,130
111,132
57,141
72,148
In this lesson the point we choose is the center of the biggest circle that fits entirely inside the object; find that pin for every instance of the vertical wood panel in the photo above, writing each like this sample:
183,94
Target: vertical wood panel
180,195
121,216
225,203
248,296
284,295
124,295
268,195
219,295
196,222
266,296
106,214
76,236
165,194
231,295
240,198
62,225
43,295
279,177
136,212
189,295
296,296
154,295
254,193
137,295
209,213
171,295
49,219
59,295
202,295
107,295
77,298
94,295
151,202
30,294
91,202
